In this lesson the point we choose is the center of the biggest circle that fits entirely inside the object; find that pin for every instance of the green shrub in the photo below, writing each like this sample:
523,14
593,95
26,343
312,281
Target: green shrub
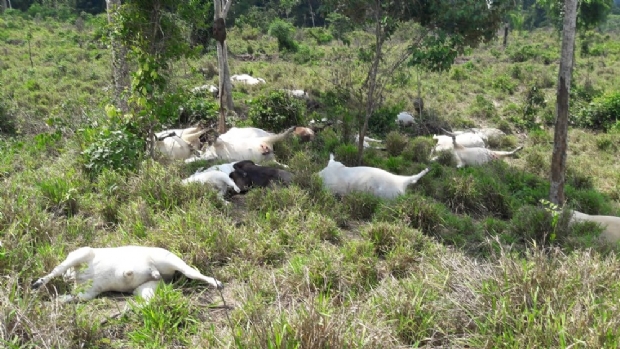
112,149
504,83
347,154
602,113
198,108
321,35
383,119
482,108
395,143
277,111
361,205
419,149
283,32
306,54
522,53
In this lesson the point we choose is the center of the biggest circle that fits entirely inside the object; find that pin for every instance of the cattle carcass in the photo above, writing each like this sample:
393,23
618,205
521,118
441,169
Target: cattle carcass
476,155
247,174
340,179
257,149
134,269
247,79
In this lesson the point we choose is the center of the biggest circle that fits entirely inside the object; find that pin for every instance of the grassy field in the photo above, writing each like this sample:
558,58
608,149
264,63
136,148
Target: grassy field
469,258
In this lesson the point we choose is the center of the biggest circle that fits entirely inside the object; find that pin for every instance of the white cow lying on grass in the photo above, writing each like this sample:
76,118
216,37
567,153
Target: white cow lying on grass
342,180
216,179
247,79
136,269
476,155
366,140
226,168
610,224
257,149
235,133
405,119
175,147
211,88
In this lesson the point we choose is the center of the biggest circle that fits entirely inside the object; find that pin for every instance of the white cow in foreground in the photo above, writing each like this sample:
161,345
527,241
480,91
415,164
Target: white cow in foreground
257,149
476,155
247,79
136,269
340,179
610,224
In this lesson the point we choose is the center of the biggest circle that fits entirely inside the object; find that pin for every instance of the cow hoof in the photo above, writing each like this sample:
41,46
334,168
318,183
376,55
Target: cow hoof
35,285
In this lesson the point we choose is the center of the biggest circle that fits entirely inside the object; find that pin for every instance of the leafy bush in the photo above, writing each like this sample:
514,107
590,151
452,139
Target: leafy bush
419,149
504,83
602,113
113,149
522,53
383,119
306,54
321,35
395,143
482,108
347,154
198,108
277,111
283,32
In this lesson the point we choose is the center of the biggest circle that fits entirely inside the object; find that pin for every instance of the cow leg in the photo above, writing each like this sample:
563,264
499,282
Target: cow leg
75,258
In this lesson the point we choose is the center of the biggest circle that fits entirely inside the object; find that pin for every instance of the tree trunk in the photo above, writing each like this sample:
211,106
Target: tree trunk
372,83
221,8
120,69
560,142
505,34
311,12
2,6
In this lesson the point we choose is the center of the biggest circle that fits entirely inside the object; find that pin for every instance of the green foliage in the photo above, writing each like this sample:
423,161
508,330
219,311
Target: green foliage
602,113
483,108
361,206
198,108
307,54
382,120
321,35
395,143
283,32
339,25
167,317
347,154
276,111
504,84
111,149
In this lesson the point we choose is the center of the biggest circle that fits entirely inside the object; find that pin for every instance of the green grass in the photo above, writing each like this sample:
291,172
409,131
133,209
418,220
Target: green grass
467,258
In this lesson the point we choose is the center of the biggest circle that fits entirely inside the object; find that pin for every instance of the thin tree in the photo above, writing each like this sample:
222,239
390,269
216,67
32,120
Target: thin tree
560,138
120,69
221,8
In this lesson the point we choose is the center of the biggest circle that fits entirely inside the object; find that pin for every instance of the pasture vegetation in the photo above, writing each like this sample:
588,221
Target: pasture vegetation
468,258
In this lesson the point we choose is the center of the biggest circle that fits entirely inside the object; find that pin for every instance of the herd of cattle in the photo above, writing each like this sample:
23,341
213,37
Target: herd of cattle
139,269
